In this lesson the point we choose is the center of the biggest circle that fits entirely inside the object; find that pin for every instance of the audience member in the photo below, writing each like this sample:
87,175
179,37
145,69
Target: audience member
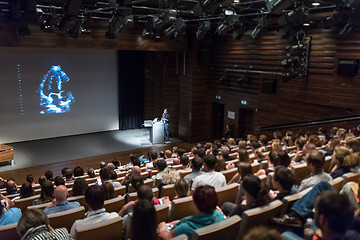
262,233
69,175
8,213
26,190
244,156
225,151
49,175
196,164
91,173
94,197
102,164
61,203
182,188
109,190
144,223
30,179
282,181
170,175
11,187
78,171
79,187
184,161
160,166
41,180
220,164
244,169
105,174
63,171
342,162
46,194
59,181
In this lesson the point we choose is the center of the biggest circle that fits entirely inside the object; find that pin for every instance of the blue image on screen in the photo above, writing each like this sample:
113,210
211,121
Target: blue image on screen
55,95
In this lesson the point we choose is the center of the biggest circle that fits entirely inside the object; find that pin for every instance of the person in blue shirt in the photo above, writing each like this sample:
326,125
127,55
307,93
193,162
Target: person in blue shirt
166,119
206,200
61,203
8,216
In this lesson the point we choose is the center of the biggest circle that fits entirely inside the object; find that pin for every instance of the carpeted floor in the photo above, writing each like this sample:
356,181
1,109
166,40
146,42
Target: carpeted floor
54,150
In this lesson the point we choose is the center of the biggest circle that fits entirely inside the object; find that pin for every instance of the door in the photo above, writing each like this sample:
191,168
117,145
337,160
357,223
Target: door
218,121
245,122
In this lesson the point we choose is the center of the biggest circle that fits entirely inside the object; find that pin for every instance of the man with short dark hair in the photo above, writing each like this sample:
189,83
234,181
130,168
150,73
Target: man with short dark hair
282,181
210,177
196,165
160,166
105,175
69,175
225,151
315,161
61,203
11,187
94,197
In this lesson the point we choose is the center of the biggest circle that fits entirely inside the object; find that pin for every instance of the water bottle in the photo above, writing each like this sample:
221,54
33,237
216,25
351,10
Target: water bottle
308,231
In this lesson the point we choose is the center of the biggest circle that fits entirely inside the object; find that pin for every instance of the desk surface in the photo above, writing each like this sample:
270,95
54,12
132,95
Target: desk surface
4,148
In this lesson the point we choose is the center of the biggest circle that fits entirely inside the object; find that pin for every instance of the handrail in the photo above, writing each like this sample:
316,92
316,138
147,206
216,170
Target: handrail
306,124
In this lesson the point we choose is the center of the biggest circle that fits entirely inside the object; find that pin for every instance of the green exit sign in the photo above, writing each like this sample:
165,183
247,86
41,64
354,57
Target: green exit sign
218,97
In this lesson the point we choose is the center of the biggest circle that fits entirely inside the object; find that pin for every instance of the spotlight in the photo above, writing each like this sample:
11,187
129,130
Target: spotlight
49,23
203,29
114,23
244,79
127,23
288,76
295,48
256,33
238,33
170,16
85,24
223,29
170,31
234,20
277,6
158,22
75,30
290,62
224,79
346,31
148,32
293,17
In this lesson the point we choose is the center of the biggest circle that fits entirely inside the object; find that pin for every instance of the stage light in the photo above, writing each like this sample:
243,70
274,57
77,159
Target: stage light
170,16
290,62
114,24
223,29
346,31
352,3
258,30
75,30
49,23
239,32
277,6
293,17
224,79
85,24
288,76
170,31
158,22
127,23
295,48
203,29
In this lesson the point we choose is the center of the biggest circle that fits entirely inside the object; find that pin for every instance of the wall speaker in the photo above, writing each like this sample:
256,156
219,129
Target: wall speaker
269,86
348,67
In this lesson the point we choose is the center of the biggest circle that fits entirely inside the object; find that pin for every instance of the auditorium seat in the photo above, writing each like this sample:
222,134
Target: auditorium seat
133,196
184,173
114,204
227,193
66,218
40,206
169,190
327,164
180,237
120,191
300,172
351,177
259,216
8,232
80,199
337,183
23,203
264,164
91,180
178,167
226,229
289,201
290,148
229,174
233,155
255,166
162,212
182,207
269,181
144,174
120,174
148,182
108,230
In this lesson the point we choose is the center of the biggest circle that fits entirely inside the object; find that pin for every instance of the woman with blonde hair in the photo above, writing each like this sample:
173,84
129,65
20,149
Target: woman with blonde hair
170,175
344,160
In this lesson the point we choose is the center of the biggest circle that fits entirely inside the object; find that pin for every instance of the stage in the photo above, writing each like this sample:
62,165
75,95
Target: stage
55,150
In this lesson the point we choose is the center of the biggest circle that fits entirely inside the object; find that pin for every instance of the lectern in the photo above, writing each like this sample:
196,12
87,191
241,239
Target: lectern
157,133
6,154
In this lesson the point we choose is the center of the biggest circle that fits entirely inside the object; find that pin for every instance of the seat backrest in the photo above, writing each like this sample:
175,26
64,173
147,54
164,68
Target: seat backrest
180,237
114,204
133,196
184,173
264,164
239,195
351,177
162,212
255,167
229,173
169,190
269,180
233,155
259,216
289,201
108,230
263,179
337,183
80,199
327,164
227,193
227,228
120,191
149,182
300,172
182,207
8,232
40,206
91,180
23,203
66,218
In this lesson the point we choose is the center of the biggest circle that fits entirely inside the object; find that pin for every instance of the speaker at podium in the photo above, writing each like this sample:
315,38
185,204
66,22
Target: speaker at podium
156,130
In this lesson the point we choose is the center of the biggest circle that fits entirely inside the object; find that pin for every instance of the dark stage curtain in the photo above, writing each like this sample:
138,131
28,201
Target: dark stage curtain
131,82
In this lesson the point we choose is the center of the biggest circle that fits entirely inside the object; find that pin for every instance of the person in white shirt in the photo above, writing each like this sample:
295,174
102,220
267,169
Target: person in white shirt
94,197
210,177
105,174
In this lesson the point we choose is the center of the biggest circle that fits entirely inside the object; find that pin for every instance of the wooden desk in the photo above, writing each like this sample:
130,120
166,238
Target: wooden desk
6,153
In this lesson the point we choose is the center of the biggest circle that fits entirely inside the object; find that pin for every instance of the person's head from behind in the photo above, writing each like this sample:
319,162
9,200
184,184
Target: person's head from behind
184,160
161,165
245,169
105,174
144,192
136,180
242,145
152,155
144,221
333,212
243,156
26,190
168,153
283,179
339,155
95,197
31,218
284,158
254,191
47,191
78,171
181,188
132,158
63,171
10,185
315,161
170,175
79,187
30,178
209,162
205,199
102,164
109,190
136,162
59,181
41,180
197,163
91,172
49,175
69,174
225,151
220,164
61,194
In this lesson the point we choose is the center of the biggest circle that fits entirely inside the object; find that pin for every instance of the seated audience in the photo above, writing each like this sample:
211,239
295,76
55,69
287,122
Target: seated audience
144,221
144,192
244,169
26,190
352,191
184,161
160,166
343,160
206,200
46,194
41,180
255,193
168,157
78,171
109,190
69,175
262,233
300,155
49,175
315,162
220,164
102,164
34,224
105,174
170,175
282,181
8,213
225,151
182,188
61,203
94,197
196,164
91,173
244,156
210,177
11,187
59,181
30,179
79,187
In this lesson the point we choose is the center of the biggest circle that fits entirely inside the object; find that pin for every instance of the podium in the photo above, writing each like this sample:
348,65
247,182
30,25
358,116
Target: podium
157,133
6,154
